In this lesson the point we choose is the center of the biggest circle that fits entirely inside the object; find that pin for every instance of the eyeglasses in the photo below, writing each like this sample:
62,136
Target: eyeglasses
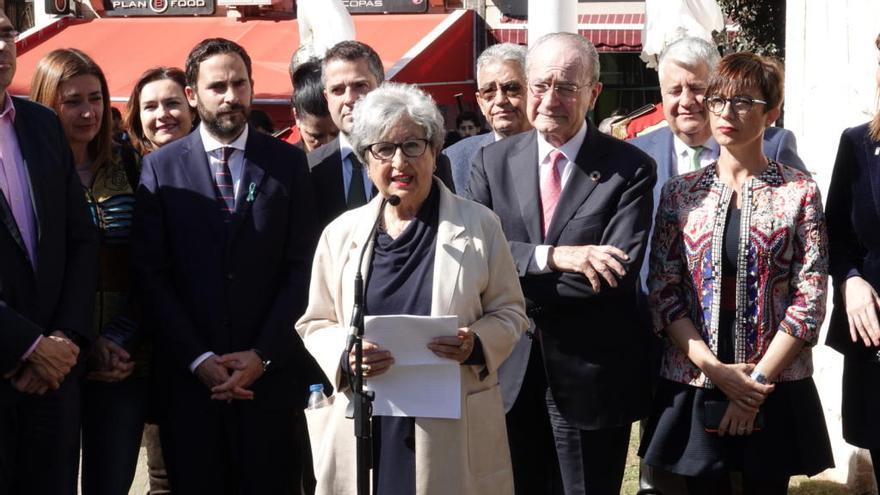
510,89
563,90
8,34
411,148
740,104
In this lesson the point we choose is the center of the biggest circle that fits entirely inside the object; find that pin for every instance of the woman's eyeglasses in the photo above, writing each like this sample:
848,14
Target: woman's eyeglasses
411,148
740,104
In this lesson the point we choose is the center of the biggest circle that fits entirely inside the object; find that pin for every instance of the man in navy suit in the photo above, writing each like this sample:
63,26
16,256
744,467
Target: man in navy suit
501,93
223,238
575,206
686,144
351,70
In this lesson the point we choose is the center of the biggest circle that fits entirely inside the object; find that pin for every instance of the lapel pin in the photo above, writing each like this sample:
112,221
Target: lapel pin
251,190
877,151
595,175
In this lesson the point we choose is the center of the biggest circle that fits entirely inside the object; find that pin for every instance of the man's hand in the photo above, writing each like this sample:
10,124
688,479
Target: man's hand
53,358
246,367
591,261
211,373
109,362
28,382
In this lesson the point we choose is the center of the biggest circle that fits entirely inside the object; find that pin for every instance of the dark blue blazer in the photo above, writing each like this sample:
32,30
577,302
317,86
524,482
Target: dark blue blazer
60,295
594,344
461,157
222,282
853,215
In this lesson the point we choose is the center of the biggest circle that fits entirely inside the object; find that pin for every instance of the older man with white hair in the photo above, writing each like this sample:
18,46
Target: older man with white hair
501,94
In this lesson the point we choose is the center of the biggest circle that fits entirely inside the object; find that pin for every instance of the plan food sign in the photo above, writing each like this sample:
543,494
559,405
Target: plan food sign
386,6
122,8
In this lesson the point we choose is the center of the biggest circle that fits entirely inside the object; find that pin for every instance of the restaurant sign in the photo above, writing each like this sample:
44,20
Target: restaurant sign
123,8
386,6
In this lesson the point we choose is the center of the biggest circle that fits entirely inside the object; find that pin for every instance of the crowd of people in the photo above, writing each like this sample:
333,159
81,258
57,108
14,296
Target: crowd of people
185,279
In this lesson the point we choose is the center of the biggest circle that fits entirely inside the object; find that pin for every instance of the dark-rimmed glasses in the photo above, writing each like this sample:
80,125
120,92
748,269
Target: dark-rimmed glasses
562,89
740,104
511,89
411,148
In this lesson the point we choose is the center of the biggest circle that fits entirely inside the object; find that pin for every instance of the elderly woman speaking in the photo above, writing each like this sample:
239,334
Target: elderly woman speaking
434,254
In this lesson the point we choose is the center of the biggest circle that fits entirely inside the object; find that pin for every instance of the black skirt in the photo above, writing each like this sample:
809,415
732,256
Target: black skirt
793,441
861,402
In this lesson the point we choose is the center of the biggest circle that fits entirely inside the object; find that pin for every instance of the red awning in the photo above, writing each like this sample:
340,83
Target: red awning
608,32
431,49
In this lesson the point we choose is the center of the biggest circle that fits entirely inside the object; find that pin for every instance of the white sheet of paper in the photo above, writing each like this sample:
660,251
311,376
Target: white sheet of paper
420,383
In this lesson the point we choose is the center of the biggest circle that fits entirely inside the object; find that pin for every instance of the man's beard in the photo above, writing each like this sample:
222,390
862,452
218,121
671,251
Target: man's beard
226,126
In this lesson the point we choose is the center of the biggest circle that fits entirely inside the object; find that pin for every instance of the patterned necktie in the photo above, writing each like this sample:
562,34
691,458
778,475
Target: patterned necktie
696,151
357,196
551,188
223,180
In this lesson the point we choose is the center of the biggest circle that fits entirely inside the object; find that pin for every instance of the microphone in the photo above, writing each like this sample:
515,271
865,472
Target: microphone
357,316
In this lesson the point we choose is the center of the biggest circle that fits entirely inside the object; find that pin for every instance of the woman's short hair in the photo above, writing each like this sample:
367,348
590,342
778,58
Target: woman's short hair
60,66
384,107
133,107
739,72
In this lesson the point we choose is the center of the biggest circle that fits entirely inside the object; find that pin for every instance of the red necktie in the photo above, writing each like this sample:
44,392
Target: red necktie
551,188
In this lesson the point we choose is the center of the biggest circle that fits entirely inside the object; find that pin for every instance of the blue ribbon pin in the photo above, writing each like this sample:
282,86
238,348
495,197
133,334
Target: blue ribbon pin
251,190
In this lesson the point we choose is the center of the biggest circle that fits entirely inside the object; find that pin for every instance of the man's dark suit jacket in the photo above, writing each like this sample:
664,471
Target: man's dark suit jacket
227,283
326,170
60,295
461,157
594,344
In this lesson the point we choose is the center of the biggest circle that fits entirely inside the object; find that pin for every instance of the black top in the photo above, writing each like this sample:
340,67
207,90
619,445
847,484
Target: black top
400,282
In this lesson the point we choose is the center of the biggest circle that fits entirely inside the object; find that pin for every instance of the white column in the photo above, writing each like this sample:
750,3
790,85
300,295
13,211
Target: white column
551,16
829,74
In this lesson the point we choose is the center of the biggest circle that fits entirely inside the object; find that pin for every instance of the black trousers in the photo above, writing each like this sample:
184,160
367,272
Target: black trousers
113,416
591,461
236,448
529,435
39,441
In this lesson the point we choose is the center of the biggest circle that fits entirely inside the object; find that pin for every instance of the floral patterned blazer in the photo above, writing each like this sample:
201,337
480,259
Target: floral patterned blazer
782,265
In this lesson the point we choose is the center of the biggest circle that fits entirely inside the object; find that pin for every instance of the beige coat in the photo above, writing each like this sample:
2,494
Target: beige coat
474,278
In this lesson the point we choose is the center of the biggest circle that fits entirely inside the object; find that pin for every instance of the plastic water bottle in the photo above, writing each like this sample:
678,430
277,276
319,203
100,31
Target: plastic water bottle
317,399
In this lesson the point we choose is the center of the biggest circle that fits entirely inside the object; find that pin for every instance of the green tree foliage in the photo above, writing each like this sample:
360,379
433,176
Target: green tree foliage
762,26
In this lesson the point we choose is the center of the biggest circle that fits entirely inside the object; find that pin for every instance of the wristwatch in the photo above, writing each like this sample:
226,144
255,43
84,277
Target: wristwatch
266,362
759,377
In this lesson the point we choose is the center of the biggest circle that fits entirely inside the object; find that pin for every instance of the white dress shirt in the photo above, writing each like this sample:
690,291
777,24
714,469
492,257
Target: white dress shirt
684,154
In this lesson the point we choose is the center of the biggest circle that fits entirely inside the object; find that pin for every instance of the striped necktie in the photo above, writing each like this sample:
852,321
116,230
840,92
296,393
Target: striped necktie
223,180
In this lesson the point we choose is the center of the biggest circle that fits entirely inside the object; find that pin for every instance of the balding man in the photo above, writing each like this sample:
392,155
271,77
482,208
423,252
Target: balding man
501,94
576,208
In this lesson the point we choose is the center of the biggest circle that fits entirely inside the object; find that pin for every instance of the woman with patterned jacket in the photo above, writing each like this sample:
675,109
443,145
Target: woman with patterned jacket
738,277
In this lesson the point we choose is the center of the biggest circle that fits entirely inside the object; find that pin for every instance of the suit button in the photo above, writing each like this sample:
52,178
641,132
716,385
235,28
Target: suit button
230,276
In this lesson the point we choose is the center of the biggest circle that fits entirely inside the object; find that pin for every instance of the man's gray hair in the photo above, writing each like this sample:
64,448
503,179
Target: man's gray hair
384,107
690,52
583,45
500,53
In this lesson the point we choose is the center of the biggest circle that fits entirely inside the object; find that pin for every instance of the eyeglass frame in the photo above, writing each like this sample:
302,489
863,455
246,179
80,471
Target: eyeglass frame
8,35
751,101
504,88
566,93
398,146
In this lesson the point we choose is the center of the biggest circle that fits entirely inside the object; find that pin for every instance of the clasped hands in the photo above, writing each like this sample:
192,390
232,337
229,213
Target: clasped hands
377,360
596,263
229,376
109,362
46,367
745,397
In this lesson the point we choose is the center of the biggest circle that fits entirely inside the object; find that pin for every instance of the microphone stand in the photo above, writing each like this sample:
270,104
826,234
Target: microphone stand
363,400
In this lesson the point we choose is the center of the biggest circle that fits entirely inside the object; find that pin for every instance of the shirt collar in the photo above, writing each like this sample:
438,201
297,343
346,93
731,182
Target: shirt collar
8,108
211,143
680,146
344,146
570,149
